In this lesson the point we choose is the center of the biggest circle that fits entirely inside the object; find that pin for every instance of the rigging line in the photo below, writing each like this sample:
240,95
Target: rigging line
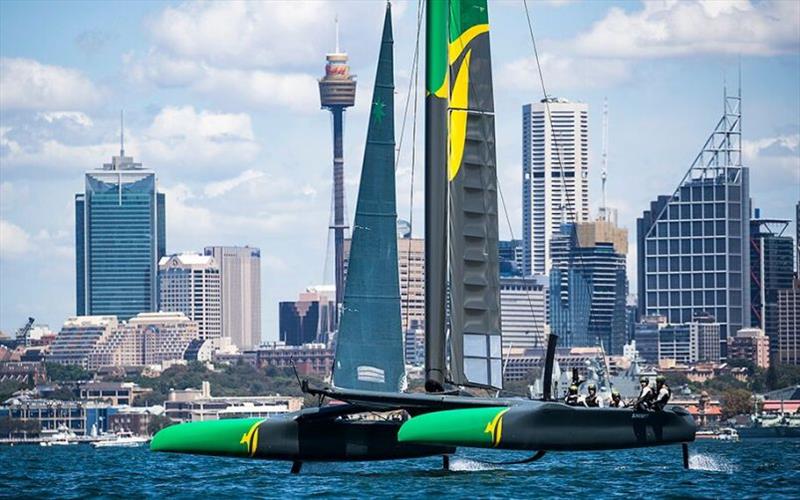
414,64
555,138
415,79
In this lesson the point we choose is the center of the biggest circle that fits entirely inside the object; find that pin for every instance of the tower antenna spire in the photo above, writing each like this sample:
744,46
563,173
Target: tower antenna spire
604,174
336,22
121,133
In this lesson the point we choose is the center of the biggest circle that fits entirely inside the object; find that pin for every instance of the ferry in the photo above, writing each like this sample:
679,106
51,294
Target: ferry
723,434
120,439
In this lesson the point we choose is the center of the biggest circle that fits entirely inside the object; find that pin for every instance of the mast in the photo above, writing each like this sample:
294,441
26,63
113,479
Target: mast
436,100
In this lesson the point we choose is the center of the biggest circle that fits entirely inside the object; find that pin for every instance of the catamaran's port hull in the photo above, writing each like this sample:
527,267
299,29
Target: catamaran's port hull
550,427
293,440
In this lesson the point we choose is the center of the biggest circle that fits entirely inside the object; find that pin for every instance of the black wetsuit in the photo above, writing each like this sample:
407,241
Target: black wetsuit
591,401
571,399
645,399
663,395
615,403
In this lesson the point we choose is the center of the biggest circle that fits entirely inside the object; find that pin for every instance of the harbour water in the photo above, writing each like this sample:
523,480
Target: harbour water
758,468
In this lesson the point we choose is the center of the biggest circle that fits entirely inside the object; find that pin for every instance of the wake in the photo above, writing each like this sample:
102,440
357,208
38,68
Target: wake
702,461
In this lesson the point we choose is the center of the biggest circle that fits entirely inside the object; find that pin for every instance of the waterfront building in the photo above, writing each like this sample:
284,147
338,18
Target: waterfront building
692,245
555,175
120,235
510,255
752,345
771,269
523,311
51,415
135,420
97,341
240,278
190,284
588,285
113,393
789,325
193,405
310,318
521,365
78,337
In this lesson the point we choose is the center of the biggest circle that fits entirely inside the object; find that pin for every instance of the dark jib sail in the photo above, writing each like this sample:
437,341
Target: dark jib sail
369,346
475,341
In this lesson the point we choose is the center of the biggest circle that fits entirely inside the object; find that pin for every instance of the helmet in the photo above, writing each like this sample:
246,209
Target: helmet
644,380
661,379
592,387
573,389
614,392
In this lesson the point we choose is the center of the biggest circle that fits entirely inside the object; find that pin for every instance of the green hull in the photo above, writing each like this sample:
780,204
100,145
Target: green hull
233,437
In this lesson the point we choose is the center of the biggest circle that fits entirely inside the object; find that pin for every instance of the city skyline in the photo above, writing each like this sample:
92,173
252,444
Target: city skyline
233,172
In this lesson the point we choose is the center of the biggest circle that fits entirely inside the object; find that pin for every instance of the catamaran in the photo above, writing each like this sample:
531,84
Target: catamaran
462,327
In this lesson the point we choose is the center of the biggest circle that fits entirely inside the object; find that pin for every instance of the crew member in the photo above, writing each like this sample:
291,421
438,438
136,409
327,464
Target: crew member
616,399
662,394
591,399
572,396
646,396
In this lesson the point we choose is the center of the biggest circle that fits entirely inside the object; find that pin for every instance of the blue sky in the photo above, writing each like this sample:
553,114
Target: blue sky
221,101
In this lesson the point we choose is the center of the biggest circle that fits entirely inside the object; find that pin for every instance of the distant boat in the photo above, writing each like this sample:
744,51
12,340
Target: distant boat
121,439
63,437
723,434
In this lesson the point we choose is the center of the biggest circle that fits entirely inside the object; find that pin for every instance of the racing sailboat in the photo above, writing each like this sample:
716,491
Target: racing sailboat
461,232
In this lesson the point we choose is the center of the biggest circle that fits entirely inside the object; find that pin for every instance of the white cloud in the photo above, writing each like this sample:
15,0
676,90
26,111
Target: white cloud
178,137
14,241
774,158
29,84
564,72
73,117
215,189
685,28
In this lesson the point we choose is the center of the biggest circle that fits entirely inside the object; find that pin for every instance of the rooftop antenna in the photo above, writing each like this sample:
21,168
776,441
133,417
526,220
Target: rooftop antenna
121,133
604,174
336,22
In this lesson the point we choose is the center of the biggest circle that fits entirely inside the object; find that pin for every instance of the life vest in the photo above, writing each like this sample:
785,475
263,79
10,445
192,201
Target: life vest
571,399
591,401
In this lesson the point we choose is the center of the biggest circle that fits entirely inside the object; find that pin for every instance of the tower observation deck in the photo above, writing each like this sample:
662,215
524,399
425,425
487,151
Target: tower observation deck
337,91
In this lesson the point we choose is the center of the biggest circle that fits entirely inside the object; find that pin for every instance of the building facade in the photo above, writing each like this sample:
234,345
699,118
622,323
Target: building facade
752,345
309,319
771,269
588,285
523,312
120,235
510,254
789,325
555,175
190,284
692,246
240,278
705,333
78,337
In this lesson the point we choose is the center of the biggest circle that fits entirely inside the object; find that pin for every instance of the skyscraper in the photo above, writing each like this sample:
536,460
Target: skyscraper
119,237
789,325
240,278
555,175
692,245
771,256
588,285
190,284
337,92
509,253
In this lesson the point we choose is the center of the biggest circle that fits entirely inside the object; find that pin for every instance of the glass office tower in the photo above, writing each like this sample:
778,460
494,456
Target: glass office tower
119,237
693,245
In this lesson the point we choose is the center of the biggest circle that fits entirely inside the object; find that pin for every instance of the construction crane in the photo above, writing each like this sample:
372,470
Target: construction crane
23,333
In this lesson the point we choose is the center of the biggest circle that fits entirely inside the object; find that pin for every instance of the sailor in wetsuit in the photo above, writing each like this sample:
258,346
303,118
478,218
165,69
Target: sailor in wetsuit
616,399
572,396
646,396
591,399
662,394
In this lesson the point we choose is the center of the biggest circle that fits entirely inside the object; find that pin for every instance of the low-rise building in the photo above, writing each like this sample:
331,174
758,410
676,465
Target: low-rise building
750,344
134,419
193,405
50,415
113,393
308,359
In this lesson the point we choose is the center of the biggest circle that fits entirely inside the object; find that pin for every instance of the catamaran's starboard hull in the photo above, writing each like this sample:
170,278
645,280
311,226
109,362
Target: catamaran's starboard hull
550,427
287,438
